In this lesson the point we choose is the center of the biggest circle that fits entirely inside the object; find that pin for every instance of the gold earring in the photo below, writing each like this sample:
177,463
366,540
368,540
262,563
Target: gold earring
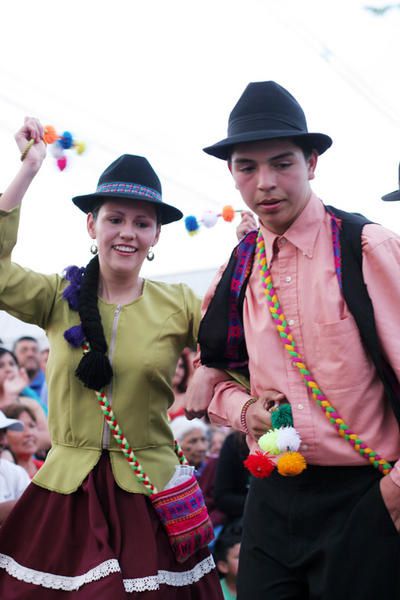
150,255
93,249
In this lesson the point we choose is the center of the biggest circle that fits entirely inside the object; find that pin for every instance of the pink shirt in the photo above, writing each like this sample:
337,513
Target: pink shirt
326,335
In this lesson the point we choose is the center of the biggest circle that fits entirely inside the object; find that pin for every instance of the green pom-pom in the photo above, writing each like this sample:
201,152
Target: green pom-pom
282,417
268,442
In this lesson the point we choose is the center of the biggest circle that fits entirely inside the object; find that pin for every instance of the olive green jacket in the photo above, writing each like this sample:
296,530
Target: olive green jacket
144,338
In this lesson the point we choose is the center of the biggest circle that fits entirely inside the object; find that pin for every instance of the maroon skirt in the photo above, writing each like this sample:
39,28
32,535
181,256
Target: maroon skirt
99,542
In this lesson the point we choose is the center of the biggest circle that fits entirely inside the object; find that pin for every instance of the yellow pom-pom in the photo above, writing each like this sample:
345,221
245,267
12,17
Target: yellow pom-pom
267,442
291,463
80,147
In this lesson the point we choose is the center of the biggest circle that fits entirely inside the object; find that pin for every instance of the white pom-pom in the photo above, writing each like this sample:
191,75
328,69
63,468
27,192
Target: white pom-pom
209,218
57,150
288,439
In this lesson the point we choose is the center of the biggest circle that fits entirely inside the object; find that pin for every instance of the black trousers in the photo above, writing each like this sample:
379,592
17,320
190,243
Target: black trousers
323,535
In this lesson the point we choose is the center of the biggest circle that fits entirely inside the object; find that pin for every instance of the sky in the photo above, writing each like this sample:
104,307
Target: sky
159,78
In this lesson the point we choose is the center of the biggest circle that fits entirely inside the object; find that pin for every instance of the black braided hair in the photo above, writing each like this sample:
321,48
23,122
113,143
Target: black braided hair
94,369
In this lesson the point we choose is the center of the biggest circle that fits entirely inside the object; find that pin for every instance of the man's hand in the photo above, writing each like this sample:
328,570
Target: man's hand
247,224
391,497
258,414
201,390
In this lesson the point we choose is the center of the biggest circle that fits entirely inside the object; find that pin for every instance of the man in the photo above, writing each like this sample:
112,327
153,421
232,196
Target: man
333,531
27,351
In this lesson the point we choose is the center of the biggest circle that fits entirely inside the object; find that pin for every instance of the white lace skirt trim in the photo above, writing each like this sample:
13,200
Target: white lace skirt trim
57,582
140,584
174,579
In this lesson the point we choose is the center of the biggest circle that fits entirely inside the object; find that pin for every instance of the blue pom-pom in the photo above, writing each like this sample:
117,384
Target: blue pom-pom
66,140
191,224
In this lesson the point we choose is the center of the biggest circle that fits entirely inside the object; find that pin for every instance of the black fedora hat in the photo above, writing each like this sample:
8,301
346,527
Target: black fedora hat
267,111
393,195
133,178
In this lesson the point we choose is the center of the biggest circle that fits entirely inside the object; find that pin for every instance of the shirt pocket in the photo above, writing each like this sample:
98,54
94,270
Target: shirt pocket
341,361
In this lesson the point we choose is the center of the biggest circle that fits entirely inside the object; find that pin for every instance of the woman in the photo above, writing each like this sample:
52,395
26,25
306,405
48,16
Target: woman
180,382
13,381
24,444
109,542
13,479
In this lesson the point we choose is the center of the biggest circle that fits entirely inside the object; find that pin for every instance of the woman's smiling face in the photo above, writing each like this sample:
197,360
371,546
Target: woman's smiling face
124,232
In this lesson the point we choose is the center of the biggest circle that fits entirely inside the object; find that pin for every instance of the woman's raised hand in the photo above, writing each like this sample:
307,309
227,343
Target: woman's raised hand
15,383
32,129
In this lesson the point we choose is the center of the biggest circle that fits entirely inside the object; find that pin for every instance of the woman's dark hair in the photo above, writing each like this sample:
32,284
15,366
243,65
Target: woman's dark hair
94,369
5,351
181,387
229,537
15,410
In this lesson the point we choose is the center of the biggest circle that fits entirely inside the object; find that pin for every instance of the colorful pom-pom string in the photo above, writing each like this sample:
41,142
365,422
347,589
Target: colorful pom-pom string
209,219
121,440
60,143
289,344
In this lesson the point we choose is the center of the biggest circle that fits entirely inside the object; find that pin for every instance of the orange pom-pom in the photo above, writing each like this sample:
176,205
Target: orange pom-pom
50,135
228,213
291,463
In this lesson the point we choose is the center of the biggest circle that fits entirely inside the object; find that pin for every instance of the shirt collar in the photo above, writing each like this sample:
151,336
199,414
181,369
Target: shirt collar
302,233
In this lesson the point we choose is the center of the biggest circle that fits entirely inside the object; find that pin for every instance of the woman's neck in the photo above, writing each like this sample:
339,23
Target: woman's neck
26,462
120,290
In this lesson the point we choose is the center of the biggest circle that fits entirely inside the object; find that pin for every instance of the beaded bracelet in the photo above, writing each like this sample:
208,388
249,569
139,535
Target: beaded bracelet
244,412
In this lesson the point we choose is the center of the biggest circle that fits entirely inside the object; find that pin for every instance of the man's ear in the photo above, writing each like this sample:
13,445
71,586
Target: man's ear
229,163
311,164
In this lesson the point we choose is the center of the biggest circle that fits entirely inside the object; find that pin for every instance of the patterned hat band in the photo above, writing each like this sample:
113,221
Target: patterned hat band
129,189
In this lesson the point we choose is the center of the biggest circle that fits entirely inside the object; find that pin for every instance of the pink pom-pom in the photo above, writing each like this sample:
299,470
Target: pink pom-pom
62,162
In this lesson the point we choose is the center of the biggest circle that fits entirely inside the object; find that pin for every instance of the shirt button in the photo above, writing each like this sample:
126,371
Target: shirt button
288,279
291,322
304,447
300,406
282,241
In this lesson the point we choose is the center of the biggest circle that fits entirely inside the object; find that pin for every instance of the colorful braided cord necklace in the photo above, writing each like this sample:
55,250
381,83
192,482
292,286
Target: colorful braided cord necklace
121,440
289,344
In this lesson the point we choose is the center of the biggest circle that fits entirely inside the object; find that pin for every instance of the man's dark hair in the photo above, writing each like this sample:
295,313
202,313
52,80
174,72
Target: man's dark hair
304,145
24,338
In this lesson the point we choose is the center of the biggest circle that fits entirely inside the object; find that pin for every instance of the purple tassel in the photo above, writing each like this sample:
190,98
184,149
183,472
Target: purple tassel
75,336
74,275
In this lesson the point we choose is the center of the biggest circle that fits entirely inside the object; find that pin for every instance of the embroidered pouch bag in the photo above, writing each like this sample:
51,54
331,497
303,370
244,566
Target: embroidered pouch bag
182,511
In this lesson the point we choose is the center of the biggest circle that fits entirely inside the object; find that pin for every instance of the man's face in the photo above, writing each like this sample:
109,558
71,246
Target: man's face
273,178
194,446
28,355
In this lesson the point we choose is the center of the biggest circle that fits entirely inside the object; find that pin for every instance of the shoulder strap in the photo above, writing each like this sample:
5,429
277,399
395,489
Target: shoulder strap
357,298
221,335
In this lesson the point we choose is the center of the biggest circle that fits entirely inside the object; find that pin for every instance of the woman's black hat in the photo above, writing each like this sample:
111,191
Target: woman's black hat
267,111
133,178
393,195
